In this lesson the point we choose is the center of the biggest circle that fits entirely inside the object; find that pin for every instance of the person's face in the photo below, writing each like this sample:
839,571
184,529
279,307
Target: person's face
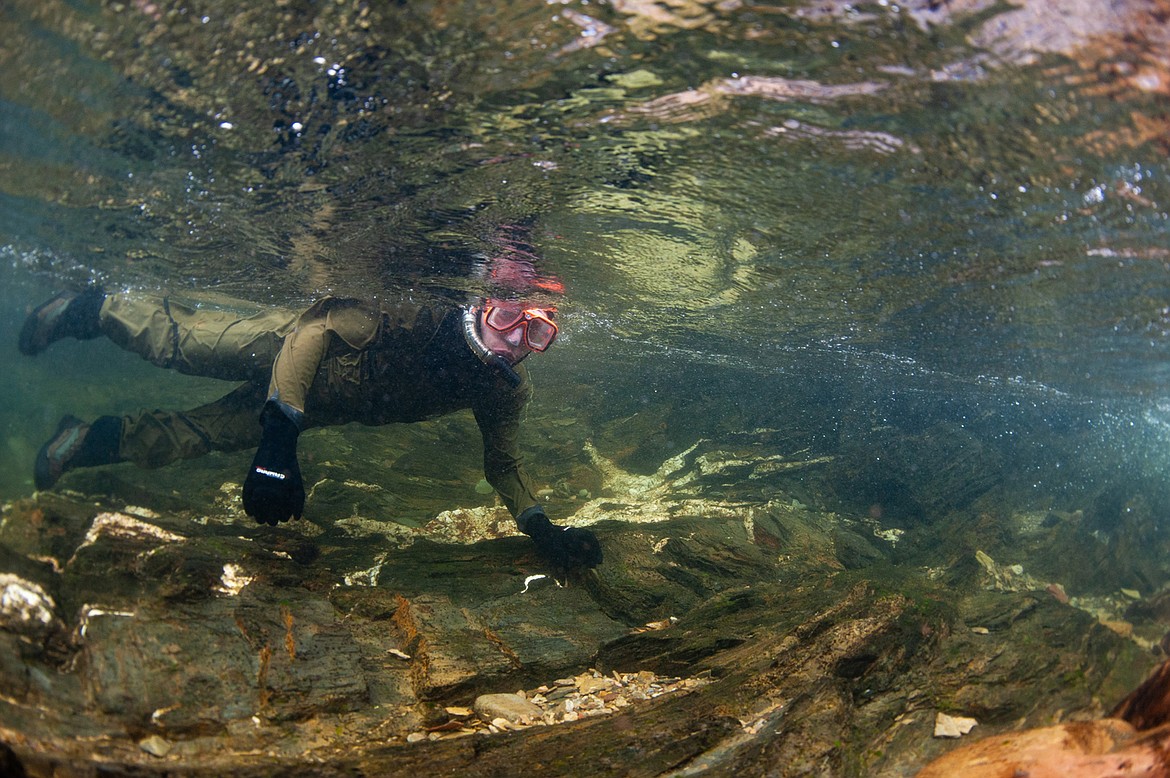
513,343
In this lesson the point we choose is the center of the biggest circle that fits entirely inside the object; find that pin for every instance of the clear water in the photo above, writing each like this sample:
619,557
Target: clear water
763,214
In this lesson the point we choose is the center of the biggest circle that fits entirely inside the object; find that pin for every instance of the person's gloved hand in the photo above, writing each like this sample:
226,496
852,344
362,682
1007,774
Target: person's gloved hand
566,549
273,490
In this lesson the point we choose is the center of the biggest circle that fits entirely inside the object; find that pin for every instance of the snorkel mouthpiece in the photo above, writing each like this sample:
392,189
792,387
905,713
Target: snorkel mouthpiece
480,349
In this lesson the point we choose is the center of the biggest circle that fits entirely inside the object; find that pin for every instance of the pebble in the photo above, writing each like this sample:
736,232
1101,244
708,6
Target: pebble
587,684
562,701
503,724
559,693
155,746
511,707
952,726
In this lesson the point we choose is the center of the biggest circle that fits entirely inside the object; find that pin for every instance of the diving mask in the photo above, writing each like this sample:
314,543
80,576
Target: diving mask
537,327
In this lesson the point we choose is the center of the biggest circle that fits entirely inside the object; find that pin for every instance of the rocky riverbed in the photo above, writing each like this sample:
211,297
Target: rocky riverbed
724,632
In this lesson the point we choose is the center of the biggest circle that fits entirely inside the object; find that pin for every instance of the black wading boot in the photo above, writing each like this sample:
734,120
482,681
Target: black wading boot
77,444
65,315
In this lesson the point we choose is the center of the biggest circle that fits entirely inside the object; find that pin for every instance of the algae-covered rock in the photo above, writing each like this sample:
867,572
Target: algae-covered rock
720,634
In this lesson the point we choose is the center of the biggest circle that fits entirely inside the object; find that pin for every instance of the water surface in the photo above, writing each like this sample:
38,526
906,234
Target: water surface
822,215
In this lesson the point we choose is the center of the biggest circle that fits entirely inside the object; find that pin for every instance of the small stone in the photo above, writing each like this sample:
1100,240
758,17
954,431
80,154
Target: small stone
590,702
511,707
1132,594
560,692
415,737
1123,628
155,746
952,726
587,684
981,630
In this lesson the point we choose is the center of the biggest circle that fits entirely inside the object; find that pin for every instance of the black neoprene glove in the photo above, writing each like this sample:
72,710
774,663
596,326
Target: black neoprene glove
566,549
273,490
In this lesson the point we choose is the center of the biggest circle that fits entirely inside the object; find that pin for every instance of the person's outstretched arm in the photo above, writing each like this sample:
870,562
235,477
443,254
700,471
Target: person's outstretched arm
564,549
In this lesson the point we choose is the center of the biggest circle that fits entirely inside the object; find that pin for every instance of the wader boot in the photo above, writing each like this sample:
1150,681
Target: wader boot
65,315
77,444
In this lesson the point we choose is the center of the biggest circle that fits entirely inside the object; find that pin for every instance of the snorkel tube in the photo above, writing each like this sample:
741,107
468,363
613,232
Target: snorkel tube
480,349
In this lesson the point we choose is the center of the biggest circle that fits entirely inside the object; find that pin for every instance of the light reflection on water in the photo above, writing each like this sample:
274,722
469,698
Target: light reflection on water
913,202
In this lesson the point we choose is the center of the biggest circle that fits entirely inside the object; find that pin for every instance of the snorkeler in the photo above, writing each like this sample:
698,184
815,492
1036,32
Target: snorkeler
339,361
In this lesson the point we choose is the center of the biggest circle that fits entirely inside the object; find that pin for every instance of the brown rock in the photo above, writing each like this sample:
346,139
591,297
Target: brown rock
1148,706
1074,750
511,707
1133,741
588,684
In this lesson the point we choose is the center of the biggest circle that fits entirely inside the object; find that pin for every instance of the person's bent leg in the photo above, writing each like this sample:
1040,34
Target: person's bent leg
157,438
153,438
